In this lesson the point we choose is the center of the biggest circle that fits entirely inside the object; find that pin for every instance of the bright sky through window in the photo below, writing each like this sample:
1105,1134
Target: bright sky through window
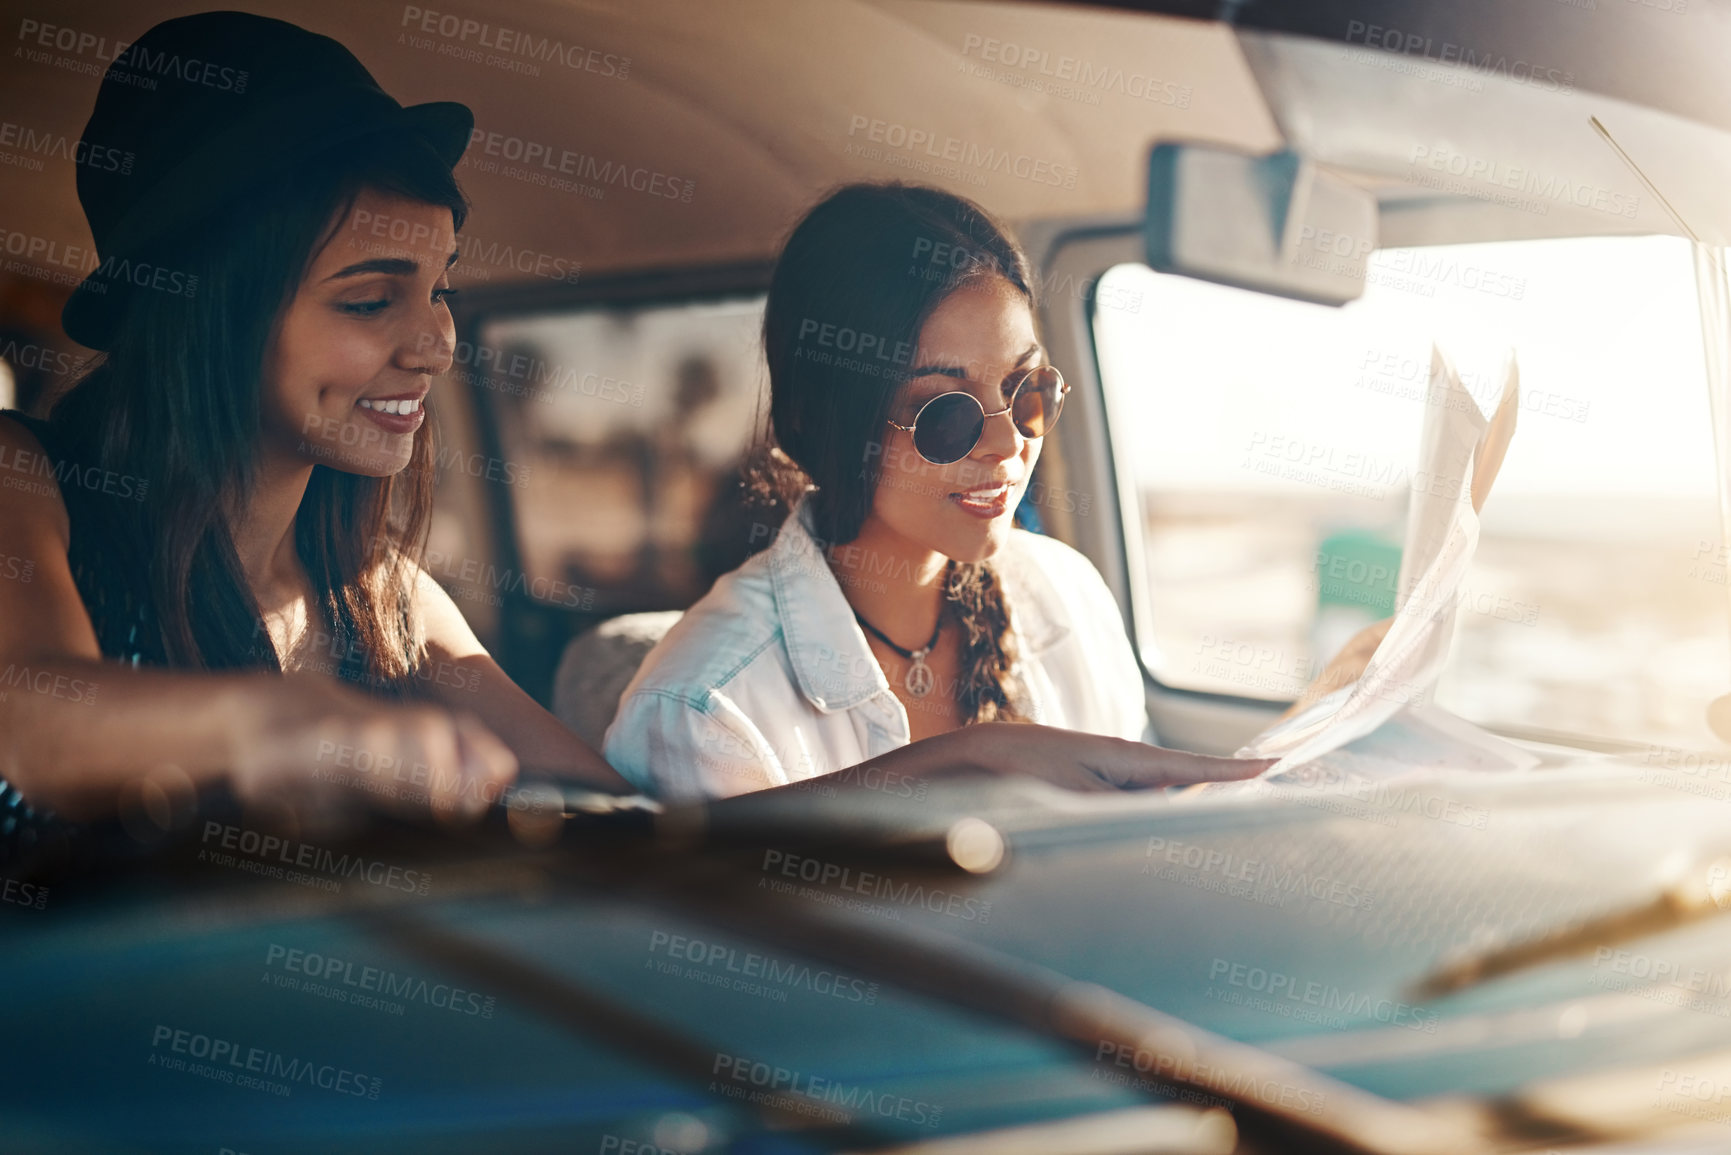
1607,331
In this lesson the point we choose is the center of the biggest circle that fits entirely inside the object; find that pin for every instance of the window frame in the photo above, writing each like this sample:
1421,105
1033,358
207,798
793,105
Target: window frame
1097,457
1097,461
525,635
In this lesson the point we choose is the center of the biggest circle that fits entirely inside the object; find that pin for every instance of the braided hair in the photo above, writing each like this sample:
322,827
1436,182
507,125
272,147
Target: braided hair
871,263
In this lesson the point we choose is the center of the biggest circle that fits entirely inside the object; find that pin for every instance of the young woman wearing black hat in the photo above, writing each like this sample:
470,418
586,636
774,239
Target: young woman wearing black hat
241,488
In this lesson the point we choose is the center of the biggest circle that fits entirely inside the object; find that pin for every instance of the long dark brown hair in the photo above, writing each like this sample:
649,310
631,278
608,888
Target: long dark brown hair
855,284
175,405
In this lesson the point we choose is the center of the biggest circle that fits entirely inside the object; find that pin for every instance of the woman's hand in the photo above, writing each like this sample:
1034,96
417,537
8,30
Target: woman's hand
1345,667
311,744
1067,758
1078,761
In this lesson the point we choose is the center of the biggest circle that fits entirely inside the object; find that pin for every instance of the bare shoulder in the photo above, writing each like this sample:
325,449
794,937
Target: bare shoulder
41,610
31,507
447,632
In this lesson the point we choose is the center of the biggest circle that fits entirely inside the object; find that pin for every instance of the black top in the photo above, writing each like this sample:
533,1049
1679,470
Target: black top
110,554
107,520
106,552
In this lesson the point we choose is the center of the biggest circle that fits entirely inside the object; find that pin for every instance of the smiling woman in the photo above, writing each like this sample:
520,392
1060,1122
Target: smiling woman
899,614
242,586
340,383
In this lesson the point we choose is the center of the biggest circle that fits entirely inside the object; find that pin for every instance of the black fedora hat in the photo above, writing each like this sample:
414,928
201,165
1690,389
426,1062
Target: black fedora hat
210,106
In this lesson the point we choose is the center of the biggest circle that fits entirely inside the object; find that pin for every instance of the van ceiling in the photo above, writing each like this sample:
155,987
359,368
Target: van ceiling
761,104
1037,110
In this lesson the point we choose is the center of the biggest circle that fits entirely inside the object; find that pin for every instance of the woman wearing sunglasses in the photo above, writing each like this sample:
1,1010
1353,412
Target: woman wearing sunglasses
909,399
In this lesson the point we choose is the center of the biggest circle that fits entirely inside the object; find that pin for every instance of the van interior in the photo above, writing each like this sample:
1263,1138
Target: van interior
1540,185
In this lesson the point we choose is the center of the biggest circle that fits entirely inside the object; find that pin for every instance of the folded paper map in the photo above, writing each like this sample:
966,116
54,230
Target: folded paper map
1459,456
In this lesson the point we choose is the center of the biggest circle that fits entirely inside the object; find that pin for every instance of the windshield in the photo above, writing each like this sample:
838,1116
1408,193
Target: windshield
1274,452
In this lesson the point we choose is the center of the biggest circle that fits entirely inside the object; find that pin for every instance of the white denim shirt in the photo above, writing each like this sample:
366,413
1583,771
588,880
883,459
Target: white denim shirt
768,678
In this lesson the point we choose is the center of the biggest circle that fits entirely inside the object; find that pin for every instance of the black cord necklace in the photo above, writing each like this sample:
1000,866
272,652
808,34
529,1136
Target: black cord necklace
919,679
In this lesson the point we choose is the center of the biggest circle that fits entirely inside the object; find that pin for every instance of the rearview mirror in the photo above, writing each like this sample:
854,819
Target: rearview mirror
1273,224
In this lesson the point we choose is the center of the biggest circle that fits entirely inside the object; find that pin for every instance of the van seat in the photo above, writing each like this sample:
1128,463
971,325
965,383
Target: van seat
597,666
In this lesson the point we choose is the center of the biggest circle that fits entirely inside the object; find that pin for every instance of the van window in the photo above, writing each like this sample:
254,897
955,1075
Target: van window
625,427
1275,444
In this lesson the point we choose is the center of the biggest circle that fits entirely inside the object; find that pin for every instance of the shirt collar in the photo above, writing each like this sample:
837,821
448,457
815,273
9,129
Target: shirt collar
832,663
1037,610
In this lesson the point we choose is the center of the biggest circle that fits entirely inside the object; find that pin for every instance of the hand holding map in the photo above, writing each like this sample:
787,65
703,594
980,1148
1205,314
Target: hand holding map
1459,457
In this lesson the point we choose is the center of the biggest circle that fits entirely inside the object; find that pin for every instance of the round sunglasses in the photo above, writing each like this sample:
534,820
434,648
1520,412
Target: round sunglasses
947,427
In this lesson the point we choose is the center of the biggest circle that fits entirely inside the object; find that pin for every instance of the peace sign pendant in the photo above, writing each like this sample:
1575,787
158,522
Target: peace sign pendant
919,679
